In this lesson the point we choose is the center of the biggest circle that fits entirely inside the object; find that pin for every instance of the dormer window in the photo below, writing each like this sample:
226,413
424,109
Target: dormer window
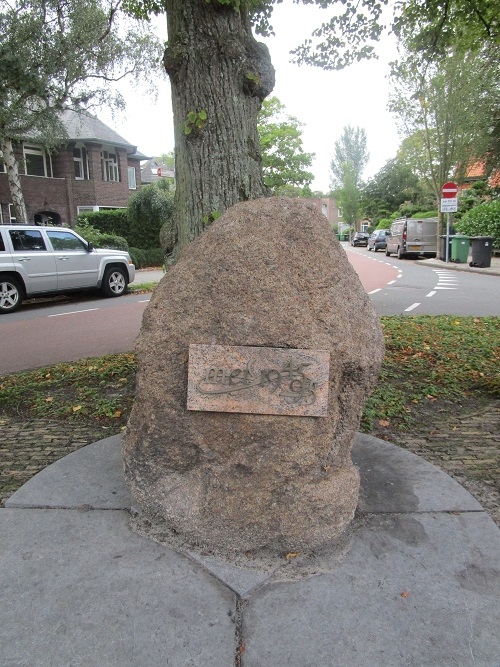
109,166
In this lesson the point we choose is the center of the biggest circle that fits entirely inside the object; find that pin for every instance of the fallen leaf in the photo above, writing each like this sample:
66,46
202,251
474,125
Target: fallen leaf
404,594
326,468
383,422
117,413
76,408
49,399
292,554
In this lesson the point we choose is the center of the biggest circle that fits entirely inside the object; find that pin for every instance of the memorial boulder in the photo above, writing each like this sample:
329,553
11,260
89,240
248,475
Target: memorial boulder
256,355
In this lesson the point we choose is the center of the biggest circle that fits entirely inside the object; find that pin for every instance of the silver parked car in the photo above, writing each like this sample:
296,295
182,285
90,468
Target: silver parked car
40,261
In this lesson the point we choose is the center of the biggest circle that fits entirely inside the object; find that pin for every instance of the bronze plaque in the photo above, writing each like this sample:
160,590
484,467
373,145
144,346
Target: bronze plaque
258,380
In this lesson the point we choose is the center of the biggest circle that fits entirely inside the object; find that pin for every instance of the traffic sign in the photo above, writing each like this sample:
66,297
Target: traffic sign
449,205
449,190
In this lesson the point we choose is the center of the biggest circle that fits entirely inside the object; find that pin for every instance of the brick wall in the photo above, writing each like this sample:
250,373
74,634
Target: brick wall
64,193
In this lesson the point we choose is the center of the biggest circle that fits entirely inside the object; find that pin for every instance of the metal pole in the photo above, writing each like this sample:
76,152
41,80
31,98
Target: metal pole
447,253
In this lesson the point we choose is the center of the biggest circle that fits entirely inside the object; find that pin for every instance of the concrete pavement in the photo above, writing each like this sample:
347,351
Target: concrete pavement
416,580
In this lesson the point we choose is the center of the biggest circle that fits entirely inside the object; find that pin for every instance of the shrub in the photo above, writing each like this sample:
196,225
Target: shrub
108,221
100,240
148,211
385,223
112,241
425,214
145,258
482,220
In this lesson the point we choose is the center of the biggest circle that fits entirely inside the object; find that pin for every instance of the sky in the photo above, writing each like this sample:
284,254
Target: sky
325,102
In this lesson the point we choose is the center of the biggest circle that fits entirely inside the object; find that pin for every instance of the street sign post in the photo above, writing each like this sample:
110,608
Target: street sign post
449,204
449,190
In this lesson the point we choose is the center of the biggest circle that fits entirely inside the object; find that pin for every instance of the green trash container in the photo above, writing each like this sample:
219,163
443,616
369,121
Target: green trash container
460,248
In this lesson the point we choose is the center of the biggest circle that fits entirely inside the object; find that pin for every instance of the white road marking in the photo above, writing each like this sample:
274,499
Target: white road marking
379,289
415,305
74,312
431,293
391,282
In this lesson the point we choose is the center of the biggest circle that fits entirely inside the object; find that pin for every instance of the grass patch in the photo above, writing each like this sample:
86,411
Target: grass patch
142,287
443,359
430,361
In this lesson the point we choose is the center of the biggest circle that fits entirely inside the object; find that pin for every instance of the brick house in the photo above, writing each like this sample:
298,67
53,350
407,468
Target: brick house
476,171
328,207
95,169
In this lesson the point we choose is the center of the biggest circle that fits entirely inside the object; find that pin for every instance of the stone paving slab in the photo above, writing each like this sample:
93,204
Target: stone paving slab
79,589
414,590
416,583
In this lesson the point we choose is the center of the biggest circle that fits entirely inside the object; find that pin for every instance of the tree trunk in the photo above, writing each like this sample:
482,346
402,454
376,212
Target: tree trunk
219,76
14,181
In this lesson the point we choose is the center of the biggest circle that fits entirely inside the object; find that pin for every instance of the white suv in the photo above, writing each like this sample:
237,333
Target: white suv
39,261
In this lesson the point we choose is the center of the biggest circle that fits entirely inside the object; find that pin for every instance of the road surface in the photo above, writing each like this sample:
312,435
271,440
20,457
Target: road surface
41,334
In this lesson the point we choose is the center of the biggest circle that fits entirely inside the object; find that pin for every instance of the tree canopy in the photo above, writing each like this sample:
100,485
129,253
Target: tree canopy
284,162
59,54
347,165
392,186
444,109
220,75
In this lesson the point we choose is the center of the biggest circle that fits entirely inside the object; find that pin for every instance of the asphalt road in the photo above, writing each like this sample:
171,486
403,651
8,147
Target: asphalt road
428,288
67,329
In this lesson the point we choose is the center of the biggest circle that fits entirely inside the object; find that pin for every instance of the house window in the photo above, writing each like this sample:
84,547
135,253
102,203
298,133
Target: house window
132,185
109,166
37,162
12,214
80,160
324,209
86,209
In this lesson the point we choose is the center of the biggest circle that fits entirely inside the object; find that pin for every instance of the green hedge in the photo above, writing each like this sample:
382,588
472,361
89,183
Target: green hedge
482,220
110,221
425,214
147,258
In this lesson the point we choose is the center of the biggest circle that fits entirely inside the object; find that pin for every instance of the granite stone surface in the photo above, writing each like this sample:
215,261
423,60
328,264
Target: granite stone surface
270,274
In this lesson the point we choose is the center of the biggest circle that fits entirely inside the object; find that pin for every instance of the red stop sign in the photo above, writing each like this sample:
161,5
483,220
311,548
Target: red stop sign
449,190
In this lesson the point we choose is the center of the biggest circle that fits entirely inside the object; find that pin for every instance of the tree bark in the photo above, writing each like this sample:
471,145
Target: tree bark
14,181
219,76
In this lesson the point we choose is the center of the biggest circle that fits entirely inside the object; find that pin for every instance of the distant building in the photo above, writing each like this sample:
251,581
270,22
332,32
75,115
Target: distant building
96,168
477,172
154,170
328,207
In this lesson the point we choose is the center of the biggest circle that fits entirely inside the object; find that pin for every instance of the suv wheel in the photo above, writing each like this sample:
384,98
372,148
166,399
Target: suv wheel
387,253
11,295
114,282
401,254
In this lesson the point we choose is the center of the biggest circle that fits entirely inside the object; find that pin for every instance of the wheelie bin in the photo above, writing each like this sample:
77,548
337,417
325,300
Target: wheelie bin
460,245
482,247
442,248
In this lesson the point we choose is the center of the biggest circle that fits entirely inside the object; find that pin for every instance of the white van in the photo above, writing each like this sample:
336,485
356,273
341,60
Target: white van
413,236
